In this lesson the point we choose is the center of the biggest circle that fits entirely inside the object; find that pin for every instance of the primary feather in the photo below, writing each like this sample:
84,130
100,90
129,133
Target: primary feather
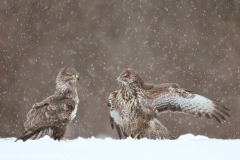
133,108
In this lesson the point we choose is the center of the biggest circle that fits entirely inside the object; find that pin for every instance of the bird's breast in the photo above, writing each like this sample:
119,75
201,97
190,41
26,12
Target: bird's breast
76,100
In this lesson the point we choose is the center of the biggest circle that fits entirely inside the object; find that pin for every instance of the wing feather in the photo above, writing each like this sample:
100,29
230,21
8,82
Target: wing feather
161,131
176,99
111,121
58,95
42,120
119,131
114,116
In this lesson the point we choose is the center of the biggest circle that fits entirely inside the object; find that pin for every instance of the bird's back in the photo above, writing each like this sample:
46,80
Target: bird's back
46,119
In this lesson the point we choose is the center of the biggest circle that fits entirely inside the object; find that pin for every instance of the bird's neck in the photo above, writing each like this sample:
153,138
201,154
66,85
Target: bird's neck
74,89
131,92
62,86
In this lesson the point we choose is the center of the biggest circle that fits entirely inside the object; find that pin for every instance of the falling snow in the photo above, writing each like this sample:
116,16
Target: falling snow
192,43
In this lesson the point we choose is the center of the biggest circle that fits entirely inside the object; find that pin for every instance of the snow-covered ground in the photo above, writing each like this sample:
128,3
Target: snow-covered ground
186,147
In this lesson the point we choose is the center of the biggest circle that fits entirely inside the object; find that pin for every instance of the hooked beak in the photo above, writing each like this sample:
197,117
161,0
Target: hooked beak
76,77
118,80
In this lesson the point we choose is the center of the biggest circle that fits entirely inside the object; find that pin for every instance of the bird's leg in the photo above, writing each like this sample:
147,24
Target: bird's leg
65,140
136,136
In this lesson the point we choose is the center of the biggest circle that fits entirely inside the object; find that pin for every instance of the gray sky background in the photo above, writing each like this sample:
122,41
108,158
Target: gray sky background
193,43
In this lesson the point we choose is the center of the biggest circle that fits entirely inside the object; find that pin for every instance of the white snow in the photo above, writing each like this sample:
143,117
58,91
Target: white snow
186,147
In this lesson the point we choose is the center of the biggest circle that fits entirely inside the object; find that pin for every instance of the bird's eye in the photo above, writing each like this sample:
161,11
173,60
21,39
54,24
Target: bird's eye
69,75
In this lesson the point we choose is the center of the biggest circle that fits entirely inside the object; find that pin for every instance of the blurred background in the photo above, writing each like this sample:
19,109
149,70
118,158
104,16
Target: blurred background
193,43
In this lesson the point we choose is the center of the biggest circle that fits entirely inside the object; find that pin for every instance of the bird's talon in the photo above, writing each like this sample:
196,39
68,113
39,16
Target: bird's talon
65,140
136,136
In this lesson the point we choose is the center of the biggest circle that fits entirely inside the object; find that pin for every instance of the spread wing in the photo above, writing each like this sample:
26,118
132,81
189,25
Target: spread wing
173,98
50,119
114,116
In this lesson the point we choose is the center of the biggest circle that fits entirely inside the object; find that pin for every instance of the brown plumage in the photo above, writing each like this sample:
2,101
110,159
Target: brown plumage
52,115
133,108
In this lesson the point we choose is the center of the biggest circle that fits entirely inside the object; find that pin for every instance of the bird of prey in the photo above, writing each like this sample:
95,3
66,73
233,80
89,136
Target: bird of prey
52,115
133,108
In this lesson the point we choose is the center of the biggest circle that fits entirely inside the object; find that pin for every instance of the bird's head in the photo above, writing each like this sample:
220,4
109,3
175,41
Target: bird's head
68,75
129,77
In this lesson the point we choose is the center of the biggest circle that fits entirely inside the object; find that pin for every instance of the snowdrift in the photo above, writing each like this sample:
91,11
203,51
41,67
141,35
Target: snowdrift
185,147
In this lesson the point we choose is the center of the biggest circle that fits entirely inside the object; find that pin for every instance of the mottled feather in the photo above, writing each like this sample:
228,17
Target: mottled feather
52,115
180,100
133,108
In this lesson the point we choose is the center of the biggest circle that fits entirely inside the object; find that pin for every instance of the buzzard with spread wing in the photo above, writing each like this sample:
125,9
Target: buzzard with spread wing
133,108
52,115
